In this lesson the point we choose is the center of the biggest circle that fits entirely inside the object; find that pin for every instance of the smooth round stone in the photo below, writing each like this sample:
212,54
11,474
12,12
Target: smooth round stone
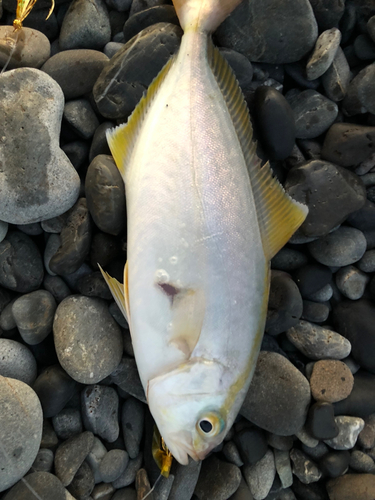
324,52
361,402
283,467
57,287
304,468
349,428
55,224
86,321
218,480
241,66
275,120
270,32
37,20
81,117
129,475
148,17
361,94
331,381
364,218
367,263
336,79
99,143
355,320
342,247
333,193
335,463
306,437
366,438
21,267
16,361
113,465
111,48
313,113
21,429
317,342
361,462
43,461
322,295
251,444
279,395
100,411
39,485
317,452
316,312
311,278
94,285
348,144
132,420
54,388
76,71
105,192
231,453
261,475
321,421
284,305
327,12
351,282
33,314
288,259
121,84
67,423
6,318
75,241
32,48
83,482
98,451
282,443
105,491
352,487
41,184
85,26
52,245
70,455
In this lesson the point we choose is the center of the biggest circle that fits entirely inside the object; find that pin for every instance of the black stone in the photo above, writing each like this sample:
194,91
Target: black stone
37,485
100,411
57,287
45,352
71,454
54,388
321,421
328,12
361,93
104,249
77,152
311,278
297,71
99,144
364,218
127,378
275,120
148,17
83,482
81,118
316,312
241,66
288,259
94,285
252,444
364,47
334,463
361,402
313,491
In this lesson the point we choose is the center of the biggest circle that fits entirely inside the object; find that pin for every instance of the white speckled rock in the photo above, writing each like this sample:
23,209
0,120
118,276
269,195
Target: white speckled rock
349,429
20,431
37,180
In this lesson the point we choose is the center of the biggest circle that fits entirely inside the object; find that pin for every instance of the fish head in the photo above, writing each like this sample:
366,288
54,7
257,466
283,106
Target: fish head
192,407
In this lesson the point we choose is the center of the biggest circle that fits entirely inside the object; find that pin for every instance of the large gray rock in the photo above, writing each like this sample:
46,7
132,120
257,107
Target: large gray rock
21,430
37,180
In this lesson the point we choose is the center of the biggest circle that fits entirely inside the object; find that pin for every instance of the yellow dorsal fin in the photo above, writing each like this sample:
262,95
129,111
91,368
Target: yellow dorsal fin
279,216
121,139
119,291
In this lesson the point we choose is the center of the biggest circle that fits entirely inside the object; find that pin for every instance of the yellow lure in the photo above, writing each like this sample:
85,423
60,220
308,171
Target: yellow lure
23,10
161,454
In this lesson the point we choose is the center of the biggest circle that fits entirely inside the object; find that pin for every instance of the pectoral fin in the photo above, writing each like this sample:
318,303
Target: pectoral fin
119,291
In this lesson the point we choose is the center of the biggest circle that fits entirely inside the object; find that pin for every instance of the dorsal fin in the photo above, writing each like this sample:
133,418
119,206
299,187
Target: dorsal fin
121,139
279,216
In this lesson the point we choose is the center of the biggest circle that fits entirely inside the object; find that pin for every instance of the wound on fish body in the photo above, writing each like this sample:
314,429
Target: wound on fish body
195,189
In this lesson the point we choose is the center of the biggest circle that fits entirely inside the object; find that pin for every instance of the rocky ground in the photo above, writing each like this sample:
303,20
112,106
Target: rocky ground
73,418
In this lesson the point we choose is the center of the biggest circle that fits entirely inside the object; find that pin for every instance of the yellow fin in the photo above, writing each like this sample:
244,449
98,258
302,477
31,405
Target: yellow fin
119,292
121,139
279,216
188,310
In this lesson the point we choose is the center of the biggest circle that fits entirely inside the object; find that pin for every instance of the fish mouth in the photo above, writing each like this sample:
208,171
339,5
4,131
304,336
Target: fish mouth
181,448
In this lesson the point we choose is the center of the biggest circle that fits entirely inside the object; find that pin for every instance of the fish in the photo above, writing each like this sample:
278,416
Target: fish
204,219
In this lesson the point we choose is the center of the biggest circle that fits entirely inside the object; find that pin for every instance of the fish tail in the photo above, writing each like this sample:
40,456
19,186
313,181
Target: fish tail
203,15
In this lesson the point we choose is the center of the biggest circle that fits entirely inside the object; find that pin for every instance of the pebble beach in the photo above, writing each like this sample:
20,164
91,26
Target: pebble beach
74,420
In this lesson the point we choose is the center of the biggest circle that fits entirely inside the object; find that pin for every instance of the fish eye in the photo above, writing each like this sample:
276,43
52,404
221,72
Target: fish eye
210,425
206,426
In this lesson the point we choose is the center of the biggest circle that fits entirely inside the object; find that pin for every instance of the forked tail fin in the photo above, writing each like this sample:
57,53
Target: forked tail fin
203,15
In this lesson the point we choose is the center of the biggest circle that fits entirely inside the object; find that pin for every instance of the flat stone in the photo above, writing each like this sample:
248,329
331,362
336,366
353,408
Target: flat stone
349,428
130,473
70,456
324,52
331,381
351,282
21,429
352,487
270,32
17,361
37,180
336,79
86,321
317,342
41,484
260,476
279,395
32,48
75,71
304,468
99,405
218,480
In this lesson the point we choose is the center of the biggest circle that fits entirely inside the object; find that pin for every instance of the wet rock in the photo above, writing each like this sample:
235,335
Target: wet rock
260,476
335,463
37,179
352,487
324,53
41,484
105,194
349,428
100,411
32,48
218,480
304,468
70,456
331,381
278,397
17,361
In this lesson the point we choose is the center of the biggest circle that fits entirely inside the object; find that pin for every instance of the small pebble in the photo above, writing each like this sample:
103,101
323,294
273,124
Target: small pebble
113,465
317,452
324,52
260,476
231,453
252,445
331,381
351,282
129,475
367,263
57,287
67,423
288,259
316,312
100,411
282,443
126,377
336,79
70,455
349,428
17,361
304,468
81,117
321,421
361,462
306,438
105,491
218,480
361,402
43,461
322,295
283,468
132,421
83,482
34,48
335,463
98,451
366,437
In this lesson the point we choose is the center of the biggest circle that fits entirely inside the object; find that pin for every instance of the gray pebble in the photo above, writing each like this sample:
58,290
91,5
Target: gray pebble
77,152
17,361
366,437
317,342
218,480
288,259
83,483
94,285
130,472
57,287
316,452
73,278
32,229
37,179
33,48
100,411
37,485
132,420
87,322
21,429
52,245
85,26
304,468
186,477
337,77
283,467
352,365
282,443
55,224
70,456
117,314
33,314
98,451
21,267
260,476
349,428
316,312
361,462
111,48
43,461
7,321
99,144
351,282
3,230
306,438
67,423
342,247
322,295
127,378
103,491
231,453
324,52
361,94
49,438
113,465
81,117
